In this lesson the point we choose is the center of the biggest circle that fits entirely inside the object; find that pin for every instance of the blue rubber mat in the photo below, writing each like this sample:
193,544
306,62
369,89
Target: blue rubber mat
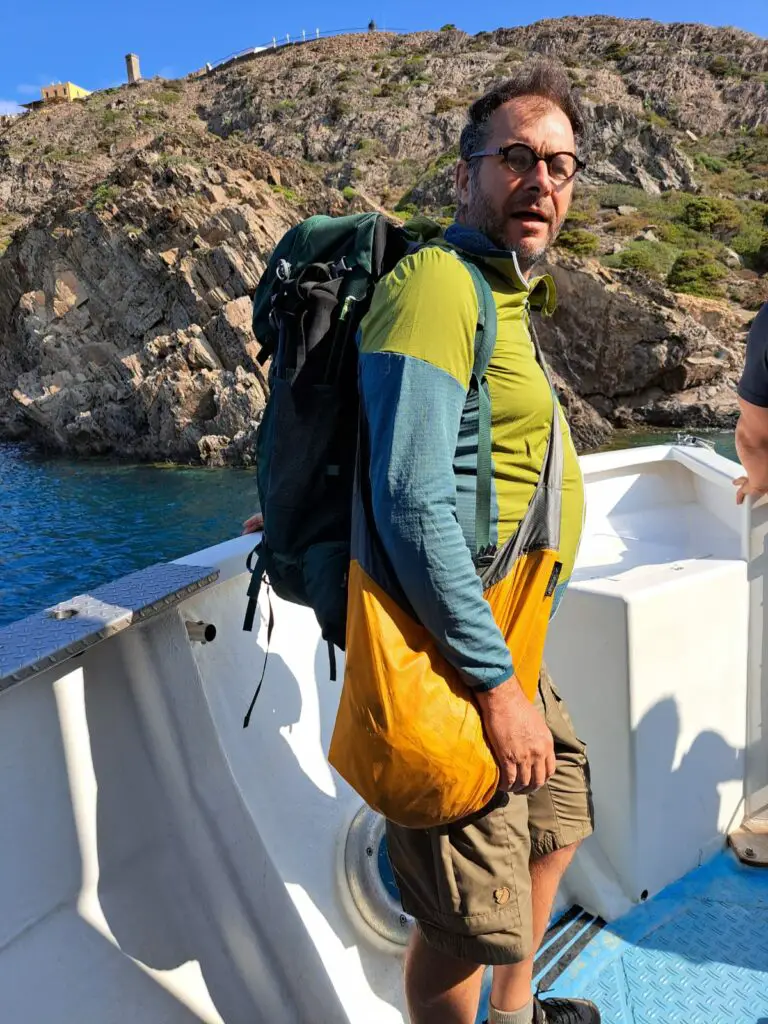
695,954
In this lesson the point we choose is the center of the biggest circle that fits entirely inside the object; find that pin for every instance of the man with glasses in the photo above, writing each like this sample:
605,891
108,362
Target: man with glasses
482,890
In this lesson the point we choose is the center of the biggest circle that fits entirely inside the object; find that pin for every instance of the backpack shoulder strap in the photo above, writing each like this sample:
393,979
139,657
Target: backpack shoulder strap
485,341
485,335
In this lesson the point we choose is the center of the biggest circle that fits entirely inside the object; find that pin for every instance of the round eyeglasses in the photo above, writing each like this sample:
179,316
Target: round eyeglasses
520,159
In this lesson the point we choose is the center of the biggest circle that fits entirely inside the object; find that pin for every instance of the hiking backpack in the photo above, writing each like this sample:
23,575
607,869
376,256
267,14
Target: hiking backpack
307,308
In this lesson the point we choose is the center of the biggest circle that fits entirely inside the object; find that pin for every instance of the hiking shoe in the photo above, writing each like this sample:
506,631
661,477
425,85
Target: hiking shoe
565,1011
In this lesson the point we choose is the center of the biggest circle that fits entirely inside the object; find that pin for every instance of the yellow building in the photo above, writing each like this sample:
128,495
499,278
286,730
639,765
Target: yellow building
66,91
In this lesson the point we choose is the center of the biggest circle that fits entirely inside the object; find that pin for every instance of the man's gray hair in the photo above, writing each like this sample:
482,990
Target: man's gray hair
544,79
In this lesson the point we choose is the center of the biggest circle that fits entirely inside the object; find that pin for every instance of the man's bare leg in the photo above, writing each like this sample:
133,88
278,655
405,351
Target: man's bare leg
512,983
440,989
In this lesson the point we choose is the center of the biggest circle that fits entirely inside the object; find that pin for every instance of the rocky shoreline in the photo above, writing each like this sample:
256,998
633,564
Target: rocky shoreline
139,221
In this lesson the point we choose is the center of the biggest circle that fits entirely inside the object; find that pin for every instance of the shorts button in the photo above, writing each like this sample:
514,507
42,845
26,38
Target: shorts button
501,895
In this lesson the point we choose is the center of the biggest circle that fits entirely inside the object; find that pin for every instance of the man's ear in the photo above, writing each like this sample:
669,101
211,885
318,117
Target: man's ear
462,183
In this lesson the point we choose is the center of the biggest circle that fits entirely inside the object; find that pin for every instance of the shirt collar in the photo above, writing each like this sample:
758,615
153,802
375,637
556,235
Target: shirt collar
541,291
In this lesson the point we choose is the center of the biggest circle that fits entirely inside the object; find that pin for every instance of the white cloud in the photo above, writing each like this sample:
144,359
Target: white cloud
10,107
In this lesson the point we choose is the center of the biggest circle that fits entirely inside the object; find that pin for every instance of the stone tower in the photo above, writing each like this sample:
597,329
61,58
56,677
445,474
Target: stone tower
132,64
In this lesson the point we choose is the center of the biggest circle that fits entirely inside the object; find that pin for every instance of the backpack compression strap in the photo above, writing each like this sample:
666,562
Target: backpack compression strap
256,571
485,340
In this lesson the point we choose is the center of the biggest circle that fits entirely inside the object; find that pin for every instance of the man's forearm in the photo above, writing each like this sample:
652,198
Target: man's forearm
413,411
753,455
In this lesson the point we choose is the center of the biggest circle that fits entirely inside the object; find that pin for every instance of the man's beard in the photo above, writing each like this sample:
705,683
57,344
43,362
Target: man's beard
482,215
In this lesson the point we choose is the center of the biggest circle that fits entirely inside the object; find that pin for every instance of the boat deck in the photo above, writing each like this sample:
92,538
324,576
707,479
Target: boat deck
695,954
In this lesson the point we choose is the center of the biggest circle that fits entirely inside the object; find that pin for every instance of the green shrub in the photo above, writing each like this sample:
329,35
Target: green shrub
283,109
445,103
405,206
348,192
627,225
715,164
450,27
151,117
577,218
707,213
287,193
724,67
389,89
752,241
579,242
611,196
368,145
168,97
61,154
103,195
655,259
617,51
444,160
413,68
657,120
696,273
752,155
682,237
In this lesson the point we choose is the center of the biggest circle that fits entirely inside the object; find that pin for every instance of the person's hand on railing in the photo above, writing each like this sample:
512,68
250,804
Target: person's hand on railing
747,490
254,524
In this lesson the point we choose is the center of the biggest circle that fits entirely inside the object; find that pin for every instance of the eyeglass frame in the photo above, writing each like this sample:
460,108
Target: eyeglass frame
503,150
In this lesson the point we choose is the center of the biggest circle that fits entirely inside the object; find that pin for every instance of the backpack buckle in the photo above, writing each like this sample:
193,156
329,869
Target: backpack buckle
340,267
485,556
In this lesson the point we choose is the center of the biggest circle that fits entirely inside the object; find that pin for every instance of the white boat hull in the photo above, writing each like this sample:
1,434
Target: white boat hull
160,863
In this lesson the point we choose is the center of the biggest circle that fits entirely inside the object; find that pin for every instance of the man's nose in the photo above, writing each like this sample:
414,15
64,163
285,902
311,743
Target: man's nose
538,179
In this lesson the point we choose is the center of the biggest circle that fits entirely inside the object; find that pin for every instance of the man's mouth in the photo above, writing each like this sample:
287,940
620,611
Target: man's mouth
530,215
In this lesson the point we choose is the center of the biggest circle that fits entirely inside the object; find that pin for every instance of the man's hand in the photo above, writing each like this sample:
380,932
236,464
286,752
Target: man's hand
254,524
519,738
746,490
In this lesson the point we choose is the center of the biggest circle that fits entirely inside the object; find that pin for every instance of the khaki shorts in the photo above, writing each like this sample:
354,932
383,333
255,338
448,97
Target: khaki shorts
468,884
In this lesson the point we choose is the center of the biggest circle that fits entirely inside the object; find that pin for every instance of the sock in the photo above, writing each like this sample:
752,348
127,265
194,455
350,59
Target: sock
523,1016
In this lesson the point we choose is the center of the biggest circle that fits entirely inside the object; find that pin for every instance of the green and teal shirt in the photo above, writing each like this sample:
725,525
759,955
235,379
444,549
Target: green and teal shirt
416,354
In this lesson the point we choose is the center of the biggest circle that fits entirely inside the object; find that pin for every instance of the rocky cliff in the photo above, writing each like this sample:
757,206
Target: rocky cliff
135,225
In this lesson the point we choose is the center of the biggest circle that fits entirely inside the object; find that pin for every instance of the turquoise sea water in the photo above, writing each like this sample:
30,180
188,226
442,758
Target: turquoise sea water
67,526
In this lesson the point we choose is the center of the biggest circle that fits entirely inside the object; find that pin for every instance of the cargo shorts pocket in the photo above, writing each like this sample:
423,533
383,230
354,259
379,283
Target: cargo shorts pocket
558,718
471,877
482,868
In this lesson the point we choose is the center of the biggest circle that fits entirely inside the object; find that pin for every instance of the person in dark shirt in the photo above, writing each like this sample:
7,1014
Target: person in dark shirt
752,428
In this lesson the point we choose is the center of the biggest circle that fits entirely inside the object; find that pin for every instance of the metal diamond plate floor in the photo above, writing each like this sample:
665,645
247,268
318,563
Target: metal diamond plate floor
695,954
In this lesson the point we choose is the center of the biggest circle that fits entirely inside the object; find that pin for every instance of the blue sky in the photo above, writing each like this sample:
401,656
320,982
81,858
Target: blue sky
86,41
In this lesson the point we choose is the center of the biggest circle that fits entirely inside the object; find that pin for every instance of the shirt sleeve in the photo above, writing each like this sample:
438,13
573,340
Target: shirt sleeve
753,386
416,355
